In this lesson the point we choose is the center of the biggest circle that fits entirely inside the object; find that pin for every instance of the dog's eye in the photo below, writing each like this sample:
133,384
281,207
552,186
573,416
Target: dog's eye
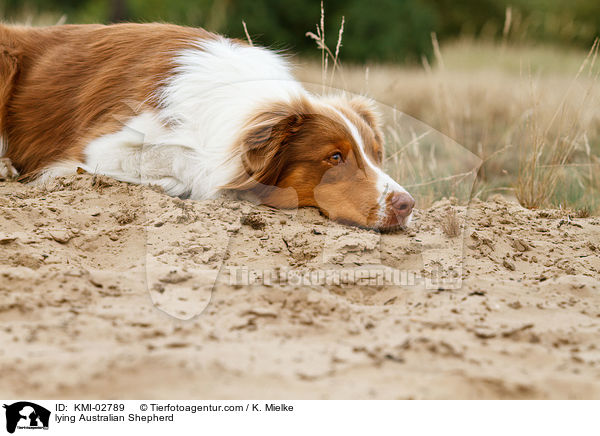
336,158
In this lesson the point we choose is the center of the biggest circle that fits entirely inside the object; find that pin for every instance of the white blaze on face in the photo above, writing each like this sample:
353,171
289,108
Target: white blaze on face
384,183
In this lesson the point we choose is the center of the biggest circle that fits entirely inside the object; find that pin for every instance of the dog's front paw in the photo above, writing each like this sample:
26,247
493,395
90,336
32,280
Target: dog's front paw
7,171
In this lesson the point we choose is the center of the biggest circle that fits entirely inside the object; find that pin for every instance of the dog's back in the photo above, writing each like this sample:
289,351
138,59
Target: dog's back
62,85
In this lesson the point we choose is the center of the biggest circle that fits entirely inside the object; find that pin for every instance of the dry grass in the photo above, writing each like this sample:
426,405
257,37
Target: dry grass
533,122
326,53
550,145
451,224
584,212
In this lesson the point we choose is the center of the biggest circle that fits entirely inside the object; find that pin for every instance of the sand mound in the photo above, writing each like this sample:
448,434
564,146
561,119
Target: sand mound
301,307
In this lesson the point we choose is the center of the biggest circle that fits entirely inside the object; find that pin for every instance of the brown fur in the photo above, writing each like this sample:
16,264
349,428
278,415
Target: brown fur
62,86
289,146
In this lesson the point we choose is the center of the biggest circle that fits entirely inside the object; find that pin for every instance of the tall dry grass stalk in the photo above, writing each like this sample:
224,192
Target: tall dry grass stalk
507,25
247,34
326,52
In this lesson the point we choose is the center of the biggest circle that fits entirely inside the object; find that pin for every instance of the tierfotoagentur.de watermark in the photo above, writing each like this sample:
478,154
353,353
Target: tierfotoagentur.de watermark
342,277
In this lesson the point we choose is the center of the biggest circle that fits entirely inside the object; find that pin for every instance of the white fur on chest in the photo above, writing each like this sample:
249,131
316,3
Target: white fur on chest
186,147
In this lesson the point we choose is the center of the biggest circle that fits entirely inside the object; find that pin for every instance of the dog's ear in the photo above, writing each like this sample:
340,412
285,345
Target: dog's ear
263,144
366,108
9,69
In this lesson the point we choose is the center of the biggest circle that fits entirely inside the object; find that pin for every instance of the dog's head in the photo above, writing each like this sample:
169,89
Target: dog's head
329,151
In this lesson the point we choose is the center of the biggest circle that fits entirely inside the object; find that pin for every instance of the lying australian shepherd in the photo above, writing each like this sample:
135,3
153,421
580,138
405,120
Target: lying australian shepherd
192,112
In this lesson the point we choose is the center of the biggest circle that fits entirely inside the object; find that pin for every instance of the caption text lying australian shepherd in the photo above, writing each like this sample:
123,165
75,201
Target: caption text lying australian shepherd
192,112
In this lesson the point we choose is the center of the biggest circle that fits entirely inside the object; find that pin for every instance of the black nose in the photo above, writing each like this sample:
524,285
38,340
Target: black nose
403,203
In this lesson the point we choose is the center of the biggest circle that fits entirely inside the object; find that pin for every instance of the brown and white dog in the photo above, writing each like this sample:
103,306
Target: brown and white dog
193,112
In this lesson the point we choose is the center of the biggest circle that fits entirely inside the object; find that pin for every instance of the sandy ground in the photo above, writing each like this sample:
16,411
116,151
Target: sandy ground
82,263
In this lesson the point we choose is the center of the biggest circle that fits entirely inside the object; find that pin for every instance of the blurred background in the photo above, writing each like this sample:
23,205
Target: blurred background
513,81
377,30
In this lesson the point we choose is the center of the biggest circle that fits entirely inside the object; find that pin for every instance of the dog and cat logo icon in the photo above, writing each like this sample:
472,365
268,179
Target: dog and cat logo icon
26,415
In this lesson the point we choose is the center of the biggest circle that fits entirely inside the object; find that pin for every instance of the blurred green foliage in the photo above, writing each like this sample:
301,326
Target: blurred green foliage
376,30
